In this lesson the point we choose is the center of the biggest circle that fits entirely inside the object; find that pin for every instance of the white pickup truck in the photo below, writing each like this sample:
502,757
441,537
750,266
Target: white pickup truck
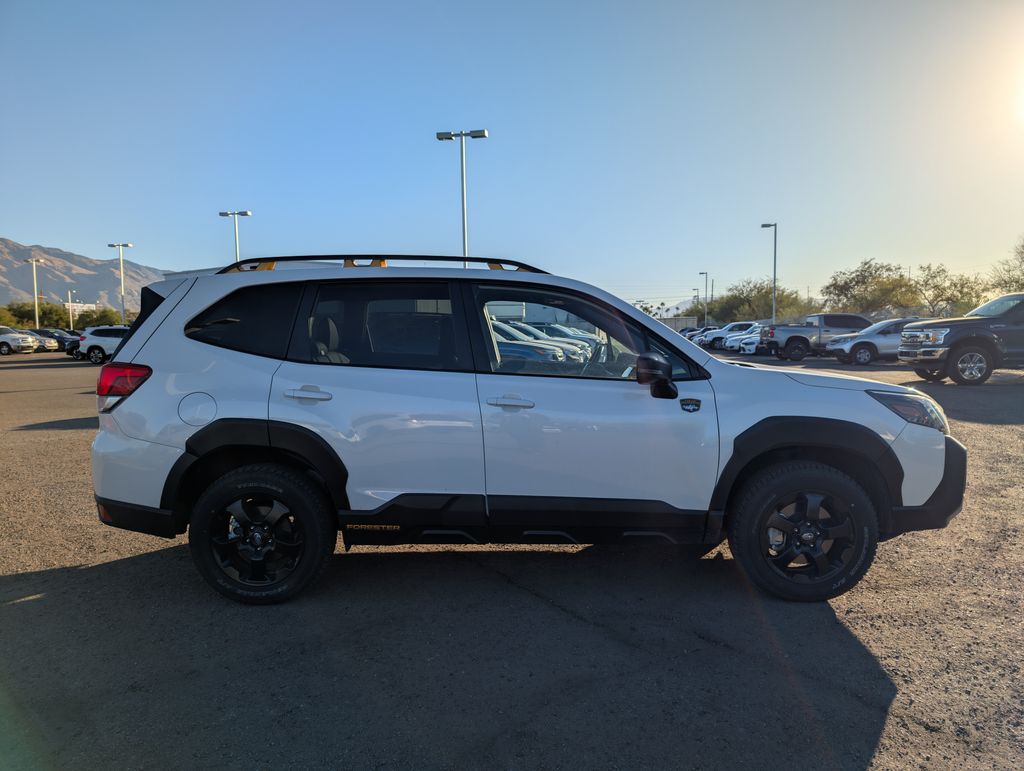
795,341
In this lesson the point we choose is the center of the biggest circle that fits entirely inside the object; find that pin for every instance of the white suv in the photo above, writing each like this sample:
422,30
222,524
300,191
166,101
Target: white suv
98,344
266,407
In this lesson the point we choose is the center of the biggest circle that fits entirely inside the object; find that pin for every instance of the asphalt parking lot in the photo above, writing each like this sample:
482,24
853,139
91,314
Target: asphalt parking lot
114,653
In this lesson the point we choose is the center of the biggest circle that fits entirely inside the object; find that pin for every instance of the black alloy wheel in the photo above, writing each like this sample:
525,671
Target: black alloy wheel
262,533
5,349
803,531
796,350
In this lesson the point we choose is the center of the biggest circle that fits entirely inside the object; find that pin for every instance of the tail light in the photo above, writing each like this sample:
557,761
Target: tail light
80,339
116,381
771,331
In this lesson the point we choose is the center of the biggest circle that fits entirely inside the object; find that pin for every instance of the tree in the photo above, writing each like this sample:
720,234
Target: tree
1008,274
751,300
944,293
871,287
98,318
966,293
7,318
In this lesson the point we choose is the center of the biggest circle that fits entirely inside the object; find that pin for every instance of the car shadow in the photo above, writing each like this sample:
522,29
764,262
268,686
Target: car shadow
484,658
68,424
66,361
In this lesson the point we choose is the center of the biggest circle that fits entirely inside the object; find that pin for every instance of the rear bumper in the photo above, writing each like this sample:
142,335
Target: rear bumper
141,519
943,504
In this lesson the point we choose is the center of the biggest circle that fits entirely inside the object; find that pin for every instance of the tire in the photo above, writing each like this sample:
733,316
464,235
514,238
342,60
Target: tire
797,561
97,355
863,354
229,526
930,375
76,354
5,349
796,350
970,365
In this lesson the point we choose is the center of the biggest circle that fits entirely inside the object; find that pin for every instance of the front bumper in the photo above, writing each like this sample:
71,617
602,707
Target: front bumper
933,354
943,504
140,519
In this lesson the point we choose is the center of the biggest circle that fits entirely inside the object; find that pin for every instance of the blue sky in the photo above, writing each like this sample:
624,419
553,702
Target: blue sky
632,144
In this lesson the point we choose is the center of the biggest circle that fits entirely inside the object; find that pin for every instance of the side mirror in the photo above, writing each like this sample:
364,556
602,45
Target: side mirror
654,370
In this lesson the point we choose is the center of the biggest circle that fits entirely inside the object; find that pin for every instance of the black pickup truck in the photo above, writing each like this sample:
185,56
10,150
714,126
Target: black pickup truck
967,349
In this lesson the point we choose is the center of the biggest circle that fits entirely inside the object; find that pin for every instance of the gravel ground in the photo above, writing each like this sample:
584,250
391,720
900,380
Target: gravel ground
113,653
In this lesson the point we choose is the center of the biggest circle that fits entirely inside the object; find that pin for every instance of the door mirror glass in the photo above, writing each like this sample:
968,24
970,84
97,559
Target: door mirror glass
654,370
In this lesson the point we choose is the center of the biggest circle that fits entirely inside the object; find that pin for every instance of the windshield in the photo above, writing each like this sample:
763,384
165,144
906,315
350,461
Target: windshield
999,306
875,328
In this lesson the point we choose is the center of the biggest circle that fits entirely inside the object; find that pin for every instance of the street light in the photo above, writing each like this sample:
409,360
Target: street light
71,316
235,215
120,256
446,136
705,274
35,285
775,253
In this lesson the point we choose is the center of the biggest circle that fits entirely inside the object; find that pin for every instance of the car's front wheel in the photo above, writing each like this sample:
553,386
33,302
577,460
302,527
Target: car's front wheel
863,354
262,533
970,365
796,350
803,531
5,349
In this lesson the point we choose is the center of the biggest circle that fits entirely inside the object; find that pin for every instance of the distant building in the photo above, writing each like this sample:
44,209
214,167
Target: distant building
79,307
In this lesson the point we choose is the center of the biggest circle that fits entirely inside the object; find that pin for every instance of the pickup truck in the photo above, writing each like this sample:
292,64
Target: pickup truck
795,341
969,348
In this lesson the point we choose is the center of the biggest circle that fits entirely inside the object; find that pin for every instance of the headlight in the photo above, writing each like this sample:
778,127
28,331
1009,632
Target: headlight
931,336
913,408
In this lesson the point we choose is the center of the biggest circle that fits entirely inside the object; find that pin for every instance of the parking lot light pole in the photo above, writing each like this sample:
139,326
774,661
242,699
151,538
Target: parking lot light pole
705,274
35,285
775,253
120,256
71,313
235,215
446,136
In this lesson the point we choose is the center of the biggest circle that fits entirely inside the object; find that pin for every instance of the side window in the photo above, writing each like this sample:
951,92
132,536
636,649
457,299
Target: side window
256,319
390,324
831,320
529,331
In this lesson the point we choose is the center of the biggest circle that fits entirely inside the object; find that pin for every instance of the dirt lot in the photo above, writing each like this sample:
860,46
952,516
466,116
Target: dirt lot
113,653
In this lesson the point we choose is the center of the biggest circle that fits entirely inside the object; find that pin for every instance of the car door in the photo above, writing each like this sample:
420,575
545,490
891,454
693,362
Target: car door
1010,329
582,451
382,371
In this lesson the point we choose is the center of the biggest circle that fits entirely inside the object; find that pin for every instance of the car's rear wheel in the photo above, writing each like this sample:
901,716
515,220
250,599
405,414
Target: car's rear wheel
970,365
803,531
97,355
863,354
796,350
261,534
932,376
5,349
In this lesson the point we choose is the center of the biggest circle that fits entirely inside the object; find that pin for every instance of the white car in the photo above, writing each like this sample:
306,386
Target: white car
98,344
268,407
13,341
732,342
750,345
716,337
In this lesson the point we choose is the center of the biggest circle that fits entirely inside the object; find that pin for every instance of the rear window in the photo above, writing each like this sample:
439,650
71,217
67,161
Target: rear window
387,324
256,320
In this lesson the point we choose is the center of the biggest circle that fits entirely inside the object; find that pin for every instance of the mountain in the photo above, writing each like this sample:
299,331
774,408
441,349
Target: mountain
58,271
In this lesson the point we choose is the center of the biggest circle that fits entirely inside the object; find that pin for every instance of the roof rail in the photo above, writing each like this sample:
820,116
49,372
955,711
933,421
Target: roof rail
376,261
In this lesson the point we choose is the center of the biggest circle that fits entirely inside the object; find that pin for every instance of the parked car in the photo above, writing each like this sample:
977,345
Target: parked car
879,341
97,344
969,348
752,345
43,344
697,332
582,345
795,341
715,339
570,350
262,411
62,337
13,341
732,342
73,349
560,330
527,351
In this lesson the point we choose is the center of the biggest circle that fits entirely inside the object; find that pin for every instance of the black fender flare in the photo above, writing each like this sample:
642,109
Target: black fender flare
795,432
249,433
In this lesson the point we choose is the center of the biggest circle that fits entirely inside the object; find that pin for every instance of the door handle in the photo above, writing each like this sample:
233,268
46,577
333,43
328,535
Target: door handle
309,392
510,401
